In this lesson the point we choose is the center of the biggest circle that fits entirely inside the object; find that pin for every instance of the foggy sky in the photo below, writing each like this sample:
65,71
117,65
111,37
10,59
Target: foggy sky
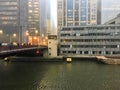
110,8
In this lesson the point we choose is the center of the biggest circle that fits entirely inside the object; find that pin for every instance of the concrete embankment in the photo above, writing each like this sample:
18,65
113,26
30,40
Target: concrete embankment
108,60
70,58
31,59
58,58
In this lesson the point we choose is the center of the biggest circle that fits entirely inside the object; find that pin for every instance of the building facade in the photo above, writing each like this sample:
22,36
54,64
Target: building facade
78,12
52,46
9,19
90,40
33,21
17,17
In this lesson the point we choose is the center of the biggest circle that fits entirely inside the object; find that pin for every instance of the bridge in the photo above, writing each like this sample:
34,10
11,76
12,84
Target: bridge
6,51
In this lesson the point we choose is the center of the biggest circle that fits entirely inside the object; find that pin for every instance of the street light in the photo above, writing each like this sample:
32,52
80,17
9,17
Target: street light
27,34
37,37
1,31
36,31
14,35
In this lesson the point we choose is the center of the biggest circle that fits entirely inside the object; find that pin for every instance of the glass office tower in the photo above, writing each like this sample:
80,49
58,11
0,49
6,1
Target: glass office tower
78,12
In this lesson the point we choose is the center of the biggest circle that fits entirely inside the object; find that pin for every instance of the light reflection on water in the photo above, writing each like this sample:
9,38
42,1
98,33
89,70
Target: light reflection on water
78,75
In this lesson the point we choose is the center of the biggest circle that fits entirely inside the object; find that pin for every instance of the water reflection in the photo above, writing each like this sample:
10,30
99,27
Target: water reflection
78,75
6,64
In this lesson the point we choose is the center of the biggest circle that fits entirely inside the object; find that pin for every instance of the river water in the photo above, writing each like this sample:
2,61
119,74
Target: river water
78,75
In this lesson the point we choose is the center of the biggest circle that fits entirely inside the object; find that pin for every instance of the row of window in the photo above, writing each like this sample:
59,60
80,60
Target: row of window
76,18
90,46
8,22
8,18
8,13
95,46
8,3
33,11
91,52
101,34
92,34
90,40
91,28
9,8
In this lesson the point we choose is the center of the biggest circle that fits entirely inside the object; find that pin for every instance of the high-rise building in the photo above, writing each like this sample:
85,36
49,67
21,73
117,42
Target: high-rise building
110,9
33,21
78,12
17,17
9,19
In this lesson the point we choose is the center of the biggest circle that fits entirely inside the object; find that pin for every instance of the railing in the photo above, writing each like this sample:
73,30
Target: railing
4,48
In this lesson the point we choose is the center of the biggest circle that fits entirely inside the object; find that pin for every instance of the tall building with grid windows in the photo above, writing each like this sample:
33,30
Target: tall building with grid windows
18,17
33,21
78,12
9,19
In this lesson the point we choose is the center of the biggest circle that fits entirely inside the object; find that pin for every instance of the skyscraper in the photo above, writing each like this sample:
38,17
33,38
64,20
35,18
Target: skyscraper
78,12
33,21
17,17
9,19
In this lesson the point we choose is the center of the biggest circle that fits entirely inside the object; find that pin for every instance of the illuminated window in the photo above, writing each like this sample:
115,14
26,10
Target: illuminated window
30,11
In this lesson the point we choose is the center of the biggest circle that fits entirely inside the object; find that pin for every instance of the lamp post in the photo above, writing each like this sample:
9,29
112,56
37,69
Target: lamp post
36,32
27,34
1,32
42,39
14,35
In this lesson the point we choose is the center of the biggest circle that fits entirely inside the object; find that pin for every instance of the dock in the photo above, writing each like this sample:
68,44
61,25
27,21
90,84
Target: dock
108,60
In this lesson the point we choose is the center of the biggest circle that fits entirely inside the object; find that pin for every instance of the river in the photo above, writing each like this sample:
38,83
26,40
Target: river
78,75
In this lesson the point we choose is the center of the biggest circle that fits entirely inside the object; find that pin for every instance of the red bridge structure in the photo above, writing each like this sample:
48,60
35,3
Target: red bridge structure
25,50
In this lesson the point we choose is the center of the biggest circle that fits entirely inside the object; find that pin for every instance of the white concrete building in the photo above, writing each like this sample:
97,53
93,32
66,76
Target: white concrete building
90,40
52,46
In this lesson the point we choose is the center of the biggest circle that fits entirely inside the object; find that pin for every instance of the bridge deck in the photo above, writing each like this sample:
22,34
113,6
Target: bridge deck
11,52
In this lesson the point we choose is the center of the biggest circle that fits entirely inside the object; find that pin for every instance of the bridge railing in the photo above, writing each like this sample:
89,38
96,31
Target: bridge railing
4,48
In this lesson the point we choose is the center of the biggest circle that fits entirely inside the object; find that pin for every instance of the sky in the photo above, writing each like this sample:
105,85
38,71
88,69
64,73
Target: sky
54,15
53,8
110,9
